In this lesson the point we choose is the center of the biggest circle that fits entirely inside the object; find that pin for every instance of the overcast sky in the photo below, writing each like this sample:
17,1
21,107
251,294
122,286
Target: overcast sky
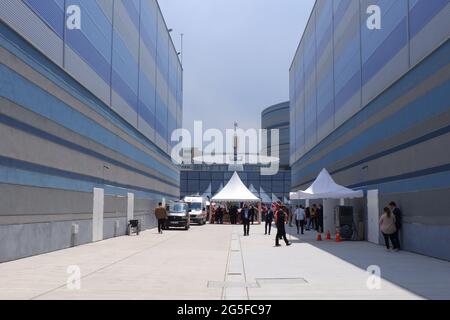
237,55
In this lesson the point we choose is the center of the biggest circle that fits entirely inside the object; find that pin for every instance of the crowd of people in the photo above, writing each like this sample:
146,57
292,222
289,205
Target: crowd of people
305,218
247,214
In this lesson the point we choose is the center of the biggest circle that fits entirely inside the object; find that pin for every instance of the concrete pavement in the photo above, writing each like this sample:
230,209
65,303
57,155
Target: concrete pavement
217,262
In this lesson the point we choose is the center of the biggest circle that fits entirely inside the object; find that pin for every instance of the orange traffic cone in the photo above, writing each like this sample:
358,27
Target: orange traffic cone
338,237
319,237
328,235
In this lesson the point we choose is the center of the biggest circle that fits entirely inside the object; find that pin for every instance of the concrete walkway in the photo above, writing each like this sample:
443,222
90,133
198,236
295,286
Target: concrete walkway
216,262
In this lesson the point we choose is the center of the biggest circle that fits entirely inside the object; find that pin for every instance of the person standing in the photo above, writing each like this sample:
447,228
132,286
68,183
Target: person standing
252,211
217,215
221,214
245,217
300,219
233,213
308,218
280,221
269,219
398,221
320,218
388,228
161,216
290,214
314,217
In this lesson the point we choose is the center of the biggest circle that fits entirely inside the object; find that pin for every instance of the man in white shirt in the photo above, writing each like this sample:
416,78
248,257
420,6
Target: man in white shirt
300,219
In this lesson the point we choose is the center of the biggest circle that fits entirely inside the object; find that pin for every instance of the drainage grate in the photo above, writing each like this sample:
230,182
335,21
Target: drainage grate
281,281
230,284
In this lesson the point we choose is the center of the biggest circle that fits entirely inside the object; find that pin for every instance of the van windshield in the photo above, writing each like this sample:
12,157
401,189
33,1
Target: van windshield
177,207
195,206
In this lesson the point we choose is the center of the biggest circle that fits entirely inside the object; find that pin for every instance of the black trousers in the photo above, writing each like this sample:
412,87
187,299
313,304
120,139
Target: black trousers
161,223
268,225
315,223
246,223
397,238
281,234
320,228
393,239
300,225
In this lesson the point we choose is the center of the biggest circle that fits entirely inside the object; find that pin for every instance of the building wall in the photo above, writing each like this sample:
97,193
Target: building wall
386,127
81,110
277,117
208,180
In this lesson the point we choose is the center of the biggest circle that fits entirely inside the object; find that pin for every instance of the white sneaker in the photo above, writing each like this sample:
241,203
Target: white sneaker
388,250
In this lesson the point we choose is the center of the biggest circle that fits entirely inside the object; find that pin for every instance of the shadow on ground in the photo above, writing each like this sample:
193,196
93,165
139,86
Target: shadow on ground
408,270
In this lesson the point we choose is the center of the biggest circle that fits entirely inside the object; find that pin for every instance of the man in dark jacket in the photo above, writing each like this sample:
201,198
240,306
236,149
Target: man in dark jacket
269,219
280,221
161,216
233,214
220,213
320,218
308,218
398,221
252,211
245,217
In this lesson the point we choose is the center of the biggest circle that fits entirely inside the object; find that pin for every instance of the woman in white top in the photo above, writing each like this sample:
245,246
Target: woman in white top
388,229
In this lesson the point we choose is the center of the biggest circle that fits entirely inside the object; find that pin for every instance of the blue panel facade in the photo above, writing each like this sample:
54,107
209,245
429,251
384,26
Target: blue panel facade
84,109
110,46
391,111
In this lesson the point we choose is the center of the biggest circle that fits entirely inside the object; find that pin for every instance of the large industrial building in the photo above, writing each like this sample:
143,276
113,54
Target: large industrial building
209,179
86,117
373,107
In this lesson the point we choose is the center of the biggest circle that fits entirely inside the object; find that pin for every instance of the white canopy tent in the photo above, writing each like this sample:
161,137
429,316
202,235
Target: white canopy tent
236,191
294,196
324,187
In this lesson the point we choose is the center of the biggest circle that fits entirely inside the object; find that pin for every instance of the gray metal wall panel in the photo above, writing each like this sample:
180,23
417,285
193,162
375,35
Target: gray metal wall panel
84,74
21,114
23,240
347,30
413,133
39,151
391,72
24,21
126,29
41,81
431,36
30,201
107,8
121,107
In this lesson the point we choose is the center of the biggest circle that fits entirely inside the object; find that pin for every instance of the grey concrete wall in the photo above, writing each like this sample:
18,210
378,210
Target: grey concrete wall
39,220
426,221
48,171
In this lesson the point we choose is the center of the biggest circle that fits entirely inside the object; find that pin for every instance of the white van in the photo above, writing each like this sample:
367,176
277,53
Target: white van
197,209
